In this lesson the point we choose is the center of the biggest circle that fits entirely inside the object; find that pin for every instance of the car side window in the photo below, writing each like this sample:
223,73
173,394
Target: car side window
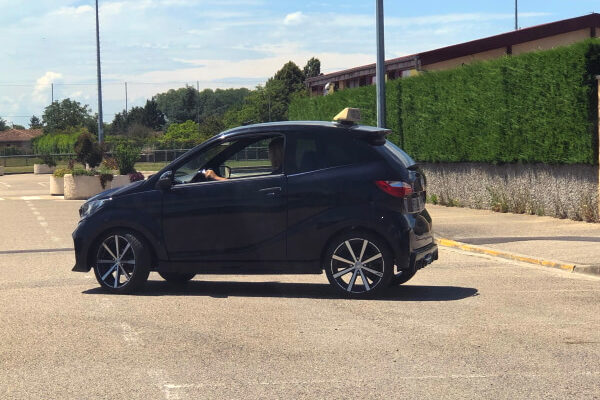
259,157
311,152
344,149
304,156
187,172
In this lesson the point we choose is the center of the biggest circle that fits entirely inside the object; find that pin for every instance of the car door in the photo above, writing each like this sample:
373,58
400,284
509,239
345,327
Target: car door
239,219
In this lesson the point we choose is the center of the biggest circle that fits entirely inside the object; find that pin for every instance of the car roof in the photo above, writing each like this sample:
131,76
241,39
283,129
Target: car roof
304,126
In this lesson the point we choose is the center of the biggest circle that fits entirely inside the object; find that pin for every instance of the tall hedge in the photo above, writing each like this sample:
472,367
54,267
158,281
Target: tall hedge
324,108
535,107
57,142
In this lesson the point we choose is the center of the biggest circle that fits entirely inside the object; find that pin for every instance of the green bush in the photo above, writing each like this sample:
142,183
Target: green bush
57,143
126,156
87,150
61,172
535,107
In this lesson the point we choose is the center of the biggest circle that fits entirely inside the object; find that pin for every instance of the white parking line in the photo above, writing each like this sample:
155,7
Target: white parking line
44,184
1,199
5,184
30,198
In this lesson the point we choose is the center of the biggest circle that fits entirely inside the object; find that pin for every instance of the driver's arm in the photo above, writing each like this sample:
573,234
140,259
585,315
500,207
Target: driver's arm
210,174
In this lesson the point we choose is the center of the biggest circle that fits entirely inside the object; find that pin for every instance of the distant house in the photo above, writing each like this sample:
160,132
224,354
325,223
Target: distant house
540,37
17,139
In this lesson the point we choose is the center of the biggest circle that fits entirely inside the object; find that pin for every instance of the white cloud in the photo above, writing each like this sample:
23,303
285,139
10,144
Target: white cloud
42,86
294,18
70,11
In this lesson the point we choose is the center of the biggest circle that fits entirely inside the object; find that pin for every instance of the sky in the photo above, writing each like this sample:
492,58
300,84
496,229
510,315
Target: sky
156,45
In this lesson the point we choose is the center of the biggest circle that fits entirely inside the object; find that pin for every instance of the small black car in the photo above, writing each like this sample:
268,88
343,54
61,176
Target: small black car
276,198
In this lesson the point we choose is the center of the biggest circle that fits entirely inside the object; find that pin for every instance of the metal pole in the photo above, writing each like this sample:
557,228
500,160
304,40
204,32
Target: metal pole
516,15
380,66
100,124
52,84
125,98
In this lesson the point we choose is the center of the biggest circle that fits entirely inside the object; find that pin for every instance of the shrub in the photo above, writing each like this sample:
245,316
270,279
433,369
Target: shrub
136,176
126,156
110,163
83,172
104,179
58,142
61,172
87,150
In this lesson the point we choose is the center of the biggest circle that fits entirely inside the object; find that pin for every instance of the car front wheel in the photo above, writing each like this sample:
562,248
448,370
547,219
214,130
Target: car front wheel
122,262
359,264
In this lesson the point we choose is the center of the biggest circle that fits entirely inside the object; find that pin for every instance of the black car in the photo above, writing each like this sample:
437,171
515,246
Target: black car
343,199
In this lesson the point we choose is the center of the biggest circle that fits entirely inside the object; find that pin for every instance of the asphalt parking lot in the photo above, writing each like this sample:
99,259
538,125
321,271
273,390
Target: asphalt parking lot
465,327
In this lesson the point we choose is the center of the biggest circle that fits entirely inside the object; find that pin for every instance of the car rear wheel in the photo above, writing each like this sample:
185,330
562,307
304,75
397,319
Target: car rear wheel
122,262
359,264
176,277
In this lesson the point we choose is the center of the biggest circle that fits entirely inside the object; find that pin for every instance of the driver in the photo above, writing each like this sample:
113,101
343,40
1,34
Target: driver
275,156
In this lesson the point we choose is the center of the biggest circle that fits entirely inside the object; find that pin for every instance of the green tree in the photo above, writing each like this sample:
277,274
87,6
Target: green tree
270,102
17,126
312,68
35,123
59,116
3,125
152,117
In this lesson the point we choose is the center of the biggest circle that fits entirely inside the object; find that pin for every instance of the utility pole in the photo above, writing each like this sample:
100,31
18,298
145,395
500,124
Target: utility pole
516,15
380,77
52,86
125,98
100,124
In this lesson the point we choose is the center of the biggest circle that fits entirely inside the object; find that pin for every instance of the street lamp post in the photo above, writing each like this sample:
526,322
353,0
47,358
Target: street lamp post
100,124
516,15
380,77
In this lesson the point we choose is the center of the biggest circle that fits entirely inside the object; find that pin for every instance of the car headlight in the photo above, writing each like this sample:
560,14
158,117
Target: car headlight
91,207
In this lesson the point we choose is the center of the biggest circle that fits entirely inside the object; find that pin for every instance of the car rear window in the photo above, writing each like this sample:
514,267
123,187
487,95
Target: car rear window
311,152
398,154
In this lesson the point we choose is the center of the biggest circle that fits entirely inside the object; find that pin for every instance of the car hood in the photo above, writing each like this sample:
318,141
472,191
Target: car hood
131,188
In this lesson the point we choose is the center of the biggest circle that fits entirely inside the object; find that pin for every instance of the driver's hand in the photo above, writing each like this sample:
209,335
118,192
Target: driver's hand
210,174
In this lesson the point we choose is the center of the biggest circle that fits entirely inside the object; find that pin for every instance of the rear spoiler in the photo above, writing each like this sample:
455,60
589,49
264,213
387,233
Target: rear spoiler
375,136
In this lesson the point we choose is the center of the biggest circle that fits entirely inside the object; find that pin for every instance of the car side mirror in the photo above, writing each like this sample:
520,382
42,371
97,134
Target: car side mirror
225,171
165,182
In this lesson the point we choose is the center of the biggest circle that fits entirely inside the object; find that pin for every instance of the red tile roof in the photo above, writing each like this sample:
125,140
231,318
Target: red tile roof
19,135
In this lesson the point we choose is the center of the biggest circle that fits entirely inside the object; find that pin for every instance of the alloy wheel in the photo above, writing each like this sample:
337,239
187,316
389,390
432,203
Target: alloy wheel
115,262
357,265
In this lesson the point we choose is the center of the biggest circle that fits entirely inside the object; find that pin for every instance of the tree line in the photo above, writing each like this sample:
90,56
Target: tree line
182,118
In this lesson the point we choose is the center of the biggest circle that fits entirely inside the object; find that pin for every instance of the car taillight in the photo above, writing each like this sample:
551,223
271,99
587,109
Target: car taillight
395,188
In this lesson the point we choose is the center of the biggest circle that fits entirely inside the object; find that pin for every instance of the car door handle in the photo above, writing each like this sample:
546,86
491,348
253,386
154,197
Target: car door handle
271,192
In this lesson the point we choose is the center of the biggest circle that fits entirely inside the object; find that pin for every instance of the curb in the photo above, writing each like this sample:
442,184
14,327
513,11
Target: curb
586,269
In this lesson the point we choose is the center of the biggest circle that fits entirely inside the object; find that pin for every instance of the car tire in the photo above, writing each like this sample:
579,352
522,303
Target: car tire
122,262
177,277
358,264
402,277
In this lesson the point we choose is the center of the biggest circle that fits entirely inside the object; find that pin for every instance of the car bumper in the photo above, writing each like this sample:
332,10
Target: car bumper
81,250
422,257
